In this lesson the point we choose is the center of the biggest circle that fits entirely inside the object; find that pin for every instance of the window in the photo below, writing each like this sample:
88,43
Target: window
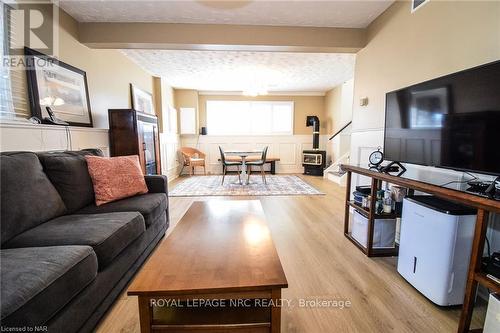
249,118
6,107
13,97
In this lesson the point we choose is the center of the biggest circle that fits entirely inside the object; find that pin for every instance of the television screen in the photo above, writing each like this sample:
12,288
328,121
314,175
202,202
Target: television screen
451,122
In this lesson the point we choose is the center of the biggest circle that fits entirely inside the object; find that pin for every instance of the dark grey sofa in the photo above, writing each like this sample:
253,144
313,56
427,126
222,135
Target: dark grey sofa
63,259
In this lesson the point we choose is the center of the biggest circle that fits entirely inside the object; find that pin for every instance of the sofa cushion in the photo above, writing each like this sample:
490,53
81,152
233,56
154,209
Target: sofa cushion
108,234
41,280
150,205
28,198
116,178
69,174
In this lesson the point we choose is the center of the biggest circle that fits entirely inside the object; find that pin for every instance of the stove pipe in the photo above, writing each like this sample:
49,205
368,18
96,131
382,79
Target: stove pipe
314,121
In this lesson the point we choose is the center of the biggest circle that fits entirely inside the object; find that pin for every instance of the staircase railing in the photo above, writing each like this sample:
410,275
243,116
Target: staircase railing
340,130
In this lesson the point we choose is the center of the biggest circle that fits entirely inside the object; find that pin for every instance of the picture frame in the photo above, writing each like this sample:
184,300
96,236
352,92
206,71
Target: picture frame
60,86
142,101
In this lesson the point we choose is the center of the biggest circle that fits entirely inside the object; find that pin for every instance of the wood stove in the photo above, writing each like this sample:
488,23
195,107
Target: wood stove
314,160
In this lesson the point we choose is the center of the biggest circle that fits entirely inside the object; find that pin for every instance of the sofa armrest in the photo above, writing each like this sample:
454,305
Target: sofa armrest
157,183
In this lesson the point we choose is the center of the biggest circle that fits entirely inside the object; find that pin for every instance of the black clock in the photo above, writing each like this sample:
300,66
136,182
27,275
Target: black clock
376,158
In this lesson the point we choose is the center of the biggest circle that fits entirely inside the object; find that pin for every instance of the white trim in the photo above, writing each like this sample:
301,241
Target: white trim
169,147
36,137
28,125
362,130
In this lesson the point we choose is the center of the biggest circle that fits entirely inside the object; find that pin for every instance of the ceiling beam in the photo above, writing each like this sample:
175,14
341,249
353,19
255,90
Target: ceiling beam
221,37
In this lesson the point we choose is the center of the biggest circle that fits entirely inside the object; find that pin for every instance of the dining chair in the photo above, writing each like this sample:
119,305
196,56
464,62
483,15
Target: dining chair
192,158
226,164
260,163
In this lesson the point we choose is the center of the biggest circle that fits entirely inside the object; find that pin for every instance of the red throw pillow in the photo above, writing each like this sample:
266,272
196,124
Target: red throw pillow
115,178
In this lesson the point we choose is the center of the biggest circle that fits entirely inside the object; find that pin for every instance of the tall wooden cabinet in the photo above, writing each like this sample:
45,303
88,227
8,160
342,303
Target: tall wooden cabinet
135,133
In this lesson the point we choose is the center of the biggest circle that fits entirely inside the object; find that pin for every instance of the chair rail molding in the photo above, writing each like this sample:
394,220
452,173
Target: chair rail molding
169,151
35,137
288,148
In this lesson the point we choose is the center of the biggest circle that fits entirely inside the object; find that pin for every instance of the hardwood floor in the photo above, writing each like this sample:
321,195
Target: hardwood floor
320,263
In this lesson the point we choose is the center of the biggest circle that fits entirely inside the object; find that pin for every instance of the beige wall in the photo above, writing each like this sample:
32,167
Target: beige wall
221,37
158,102
303,105
167,101
168,96
163,98
186,98
109,72
333,99
338,112
403,49
338,106
441,37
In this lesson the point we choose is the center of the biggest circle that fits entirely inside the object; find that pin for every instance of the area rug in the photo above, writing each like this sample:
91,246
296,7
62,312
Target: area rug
211,186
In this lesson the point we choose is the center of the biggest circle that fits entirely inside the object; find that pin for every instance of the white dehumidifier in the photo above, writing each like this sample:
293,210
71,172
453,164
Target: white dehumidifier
435,245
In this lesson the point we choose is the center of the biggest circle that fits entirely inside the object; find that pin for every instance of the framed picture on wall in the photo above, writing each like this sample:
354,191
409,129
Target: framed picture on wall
141,100
59,86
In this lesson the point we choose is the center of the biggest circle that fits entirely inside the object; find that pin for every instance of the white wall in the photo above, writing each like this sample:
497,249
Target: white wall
170,164
287,147
169,139
30,137
346,103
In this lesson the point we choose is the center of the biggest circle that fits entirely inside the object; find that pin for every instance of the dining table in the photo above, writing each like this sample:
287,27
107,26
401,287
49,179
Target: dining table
243,153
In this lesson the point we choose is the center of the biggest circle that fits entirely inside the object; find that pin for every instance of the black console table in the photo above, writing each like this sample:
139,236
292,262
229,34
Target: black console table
416,180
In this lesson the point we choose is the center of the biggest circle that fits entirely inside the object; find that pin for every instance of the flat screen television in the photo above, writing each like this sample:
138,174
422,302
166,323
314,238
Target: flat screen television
451,121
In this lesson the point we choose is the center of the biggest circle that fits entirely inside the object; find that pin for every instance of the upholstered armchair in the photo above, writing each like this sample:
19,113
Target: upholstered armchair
192,158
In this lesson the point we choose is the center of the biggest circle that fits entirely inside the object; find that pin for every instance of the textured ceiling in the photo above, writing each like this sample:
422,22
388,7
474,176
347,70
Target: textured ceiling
238,71
343,13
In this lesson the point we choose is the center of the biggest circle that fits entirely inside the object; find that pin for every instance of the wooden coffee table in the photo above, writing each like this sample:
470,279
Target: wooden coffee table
218,271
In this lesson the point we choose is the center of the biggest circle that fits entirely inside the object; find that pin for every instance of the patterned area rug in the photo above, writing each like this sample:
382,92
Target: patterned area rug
211,186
